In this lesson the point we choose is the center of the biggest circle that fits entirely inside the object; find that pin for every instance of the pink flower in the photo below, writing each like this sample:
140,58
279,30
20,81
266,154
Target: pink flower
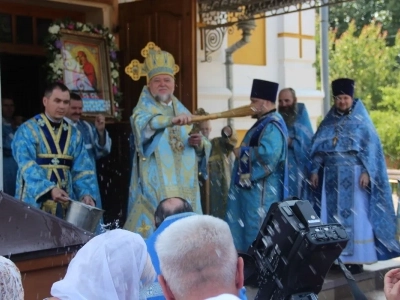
70,26
115,89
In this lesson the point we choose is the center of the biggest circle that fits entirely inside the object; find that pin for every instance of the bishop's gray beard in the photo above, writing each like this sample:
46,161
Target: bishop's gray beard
289,114
163,98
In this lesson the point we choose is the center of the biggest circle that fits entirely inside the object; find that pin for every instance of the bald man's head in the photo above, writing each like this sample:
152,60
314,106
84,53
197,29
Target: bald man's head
169,207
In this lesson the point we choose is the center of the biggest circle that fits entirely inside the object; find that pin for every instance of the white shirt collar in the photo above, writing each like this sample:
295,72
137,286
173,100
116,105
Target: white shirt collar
69,121
51,119
165,104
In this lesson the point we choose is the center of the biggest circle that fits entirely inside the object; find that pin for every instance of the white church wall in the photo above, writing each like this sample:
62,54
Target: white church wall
212,93
285,64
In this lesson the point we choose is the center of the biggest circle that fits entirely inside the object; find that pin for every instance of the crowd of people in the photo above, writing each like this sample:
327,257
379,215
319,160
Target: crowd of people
179,174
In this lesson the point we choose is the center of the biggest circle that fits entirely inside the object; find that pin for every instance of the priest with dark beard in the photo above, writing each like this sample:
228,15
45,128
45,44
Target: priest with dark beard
300,134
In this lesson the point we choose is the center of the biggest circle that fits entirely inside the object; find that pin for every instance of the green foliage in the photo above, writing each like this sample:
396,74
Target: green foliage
365,56
367,59
387,121
388,126
363,12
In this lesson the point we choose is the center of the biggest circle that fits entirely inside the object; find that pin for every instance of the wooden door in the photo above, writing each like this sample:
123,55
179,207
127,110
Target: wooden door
171,25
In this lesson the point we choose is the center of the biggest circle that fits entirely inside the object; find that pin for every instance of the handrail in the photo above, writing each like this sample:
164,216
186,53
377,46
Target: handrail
393,174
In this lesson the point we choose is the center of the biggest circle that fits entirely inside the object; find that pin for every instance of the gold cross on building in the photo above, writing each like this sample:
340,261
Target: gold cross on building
298,35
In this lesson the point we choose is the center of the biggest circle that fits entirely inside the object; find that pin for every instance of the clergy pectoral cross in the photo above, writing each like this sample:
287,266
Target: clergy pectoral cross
144,229
334,140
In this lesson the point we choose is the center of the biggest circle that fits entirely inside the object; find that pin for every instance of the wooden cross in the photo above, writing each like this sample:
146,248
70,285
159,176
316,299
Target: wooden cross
298,35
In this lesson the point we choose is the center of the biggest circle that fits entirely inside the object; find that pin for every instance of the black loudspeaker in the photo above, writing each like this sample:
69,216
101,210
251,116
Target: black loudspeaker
293,252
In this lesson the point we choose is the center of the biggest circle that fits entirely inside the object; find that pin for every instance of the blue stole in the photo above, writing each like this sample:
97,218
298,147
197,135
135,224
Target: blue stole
242,178
56,158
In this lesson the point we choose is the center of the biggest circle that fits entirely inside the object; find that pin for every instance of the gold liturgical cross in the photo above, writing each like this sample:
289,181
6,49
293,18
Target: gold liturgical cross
298,35
144,229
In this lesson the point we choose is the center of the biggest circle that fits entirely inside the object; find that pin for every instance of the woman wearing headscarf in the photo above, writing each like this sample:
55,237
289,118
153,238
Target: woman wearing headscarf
10,281
111,266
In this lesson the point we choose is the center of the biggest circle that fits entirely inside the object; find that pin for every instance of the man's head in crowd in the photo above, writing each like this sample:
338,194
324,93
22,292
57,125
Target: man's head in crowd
162,87
56,101
263,96
169,207
343,94
161,70
75,108
205,128
7,108
287,105
198,259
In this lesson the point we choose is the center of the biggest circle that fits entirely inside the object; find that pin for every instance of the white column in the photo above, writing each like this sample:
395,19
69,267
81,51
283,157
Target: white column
296,41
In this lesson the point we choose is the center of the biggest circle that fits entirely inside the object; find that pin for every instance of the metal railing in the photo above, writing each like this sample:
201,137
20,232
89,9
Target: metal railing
394,180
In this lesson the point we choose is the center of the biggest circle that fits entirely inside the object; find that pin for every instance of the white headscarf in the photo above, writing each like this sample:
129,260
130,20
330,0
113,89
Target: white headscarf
108,267
10,281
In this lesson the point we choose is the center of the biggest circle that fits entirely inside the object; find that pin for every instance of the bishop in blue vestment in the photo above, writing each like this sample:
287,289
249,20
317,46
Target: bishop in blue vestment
53,162
355,186
300,133
166,153
259,175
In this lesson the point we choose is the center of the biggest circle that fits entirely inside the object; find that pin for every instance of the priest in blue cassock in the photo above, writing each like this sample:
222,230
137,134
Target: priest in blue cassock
260,174
167,154
53,164
95,137
300,133
355,185
9,127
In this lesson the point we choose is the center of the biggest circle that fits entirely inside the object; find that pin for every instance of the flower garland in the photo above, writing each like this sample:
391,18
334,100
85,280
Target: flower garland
55,60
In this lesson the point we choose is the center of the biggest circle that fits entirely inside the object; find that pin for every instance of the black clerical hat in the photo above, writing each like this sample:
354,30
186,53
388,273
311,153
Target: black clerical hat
343,86
265,90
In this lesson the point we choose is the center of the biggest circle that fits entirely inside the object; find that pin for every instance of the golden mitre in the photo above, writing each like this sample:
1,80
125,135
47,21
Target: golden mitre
156,62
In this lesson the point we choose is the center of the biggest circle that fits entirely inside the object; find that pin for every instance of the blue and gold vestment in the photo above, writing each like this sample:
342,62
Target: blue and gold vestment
259,178
47,158
164,165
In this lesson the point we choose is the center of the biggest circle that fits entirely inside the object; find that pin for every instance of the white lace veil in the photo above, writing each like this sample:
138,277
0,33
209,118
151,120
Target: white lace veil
108,267
10,281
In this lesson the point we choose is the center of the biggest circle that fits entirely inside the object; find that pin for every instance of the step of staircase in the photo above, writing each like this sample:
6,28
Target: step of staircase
370,282
336,288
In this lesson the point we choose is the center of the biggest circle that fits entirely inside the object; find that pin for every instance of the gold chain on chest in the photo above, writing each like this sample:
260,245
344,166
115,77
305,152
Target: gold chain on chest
337,131
175,140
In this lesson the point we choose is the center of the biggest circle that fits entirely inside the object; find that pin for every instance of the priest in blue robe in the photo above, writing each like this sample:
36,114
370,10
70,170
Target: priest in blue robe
53,164
355,185
166,152
300,133
9,127
95,137
260,174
